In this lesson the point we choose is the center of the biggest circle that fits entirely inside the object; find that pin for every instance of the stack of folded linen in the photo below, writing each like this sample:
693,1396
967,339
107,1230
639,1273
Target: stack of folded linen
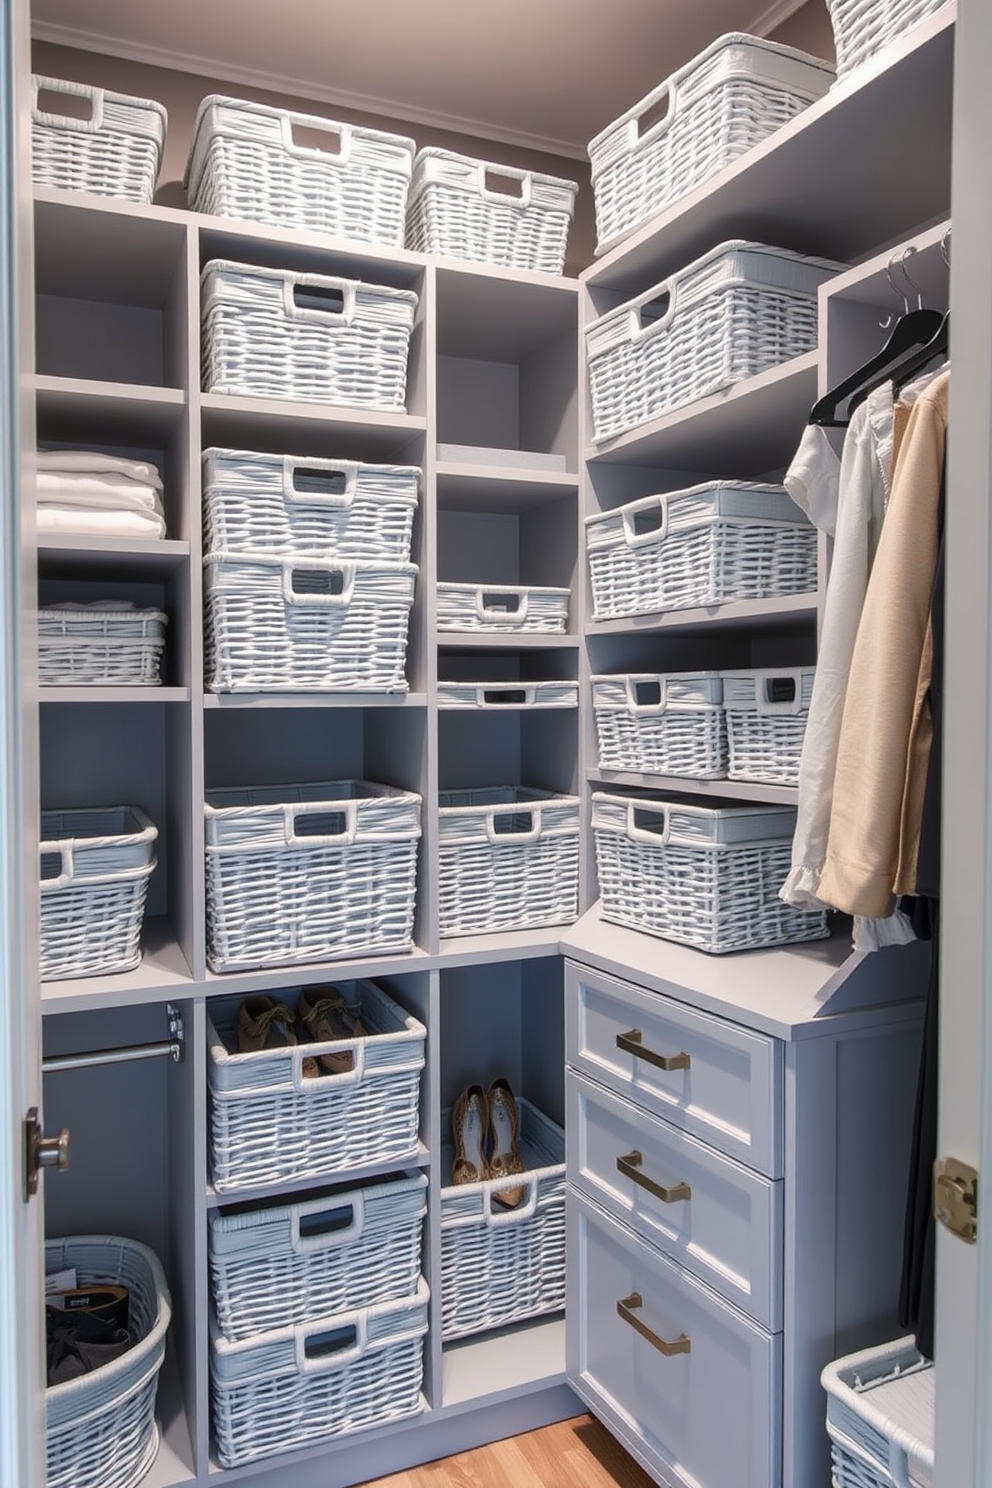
96,495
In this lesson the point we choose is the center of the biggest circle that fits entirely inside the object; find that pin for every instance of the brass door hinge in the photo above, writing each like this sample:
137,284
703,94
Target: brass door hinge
955,1197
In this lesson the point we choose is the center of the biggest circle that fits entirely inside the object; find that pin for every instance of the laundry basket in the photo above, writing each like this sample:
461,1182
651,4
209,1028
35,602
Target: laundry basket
880,1417
116,151
108,643
661,724
766,713
863,27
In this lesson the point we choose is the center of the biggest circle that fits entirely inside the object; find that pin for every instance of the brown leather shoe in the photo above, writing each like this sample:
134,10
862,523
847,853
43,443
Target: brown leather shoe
469,1123
263,1023
504,1133
328,1017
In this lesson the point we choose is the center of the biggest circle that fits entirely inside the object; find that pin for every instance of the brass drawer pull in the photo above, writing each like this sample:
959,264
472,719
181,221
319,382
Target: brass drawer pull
630,1167
631,1043
626,1306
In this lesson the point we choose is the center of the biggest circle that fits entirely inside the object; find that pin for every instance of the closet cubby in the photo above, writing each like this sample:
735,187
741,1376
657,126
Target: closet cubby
536,748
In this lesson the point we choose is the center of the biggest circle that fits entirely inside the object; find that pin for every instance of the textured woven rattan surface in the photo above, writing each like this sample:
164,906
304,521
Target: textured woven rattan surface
115,152
863,27
89,645
660,724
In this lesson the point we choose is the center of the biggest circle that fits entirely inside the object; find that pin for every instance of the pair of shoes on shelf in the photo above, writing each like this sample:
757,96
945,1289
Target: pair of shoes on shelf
486,1129
84,1329
321,1016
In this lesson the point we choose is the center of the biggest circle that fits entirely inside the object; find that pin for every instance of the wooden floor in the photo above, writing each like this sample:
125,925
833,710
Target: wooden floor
571,1454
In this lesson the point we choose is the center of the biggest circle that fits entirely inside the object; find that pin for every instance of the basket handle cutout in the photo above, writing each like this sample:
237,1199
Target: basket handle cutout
780,692
657,112
314,826
317,297
322,486
654,310
499,183
311,138
647,694
648,822
647,522
81,107
652,315
491,605
522,826
318,584
497,1215
56,865
329,302
506,697
317,1227
319,1351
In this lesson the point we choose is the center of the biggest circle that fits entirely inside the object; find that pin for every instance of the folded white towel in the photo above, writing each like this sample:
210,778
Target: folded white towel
106,492
94,461
83,522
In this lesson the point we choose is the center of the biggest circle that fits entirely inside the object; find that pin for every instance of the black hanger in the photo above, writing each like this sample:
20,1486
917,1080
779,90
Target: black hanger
937,346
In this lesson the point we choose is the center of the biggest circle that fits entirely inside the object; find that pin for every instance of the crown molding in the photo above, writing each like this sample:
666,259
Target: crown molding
774,16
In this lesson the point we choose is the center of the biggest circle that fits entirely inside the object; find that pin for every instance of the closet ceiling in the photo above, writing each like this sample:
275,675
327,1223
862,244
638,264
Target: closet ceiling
552,72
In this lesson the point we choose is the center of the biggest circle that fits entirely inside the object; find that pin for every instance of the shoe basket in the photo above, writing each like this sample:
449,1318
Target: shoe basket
880,1417
863,27
500,1265
117,151
95,867
269,1123
497,214
81,645
501,608
495,697
100,1428
723,102
299,1385
247,160
709,544
766,723
705,876
274,333
508,859
737,311
656,724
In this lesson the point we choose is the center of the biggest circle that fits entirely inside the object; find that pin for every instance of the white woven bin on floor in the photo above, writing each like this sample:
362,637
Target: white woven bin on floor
456,209
297,1386
269,1123
501,608
766,722
863,27
302,873
273,333
306,624
95,867
506,697
703,876
262,505
294,1262
499,1265
717,106
508,859
101,1430
738,311
661,724
880,1417
246,161
116,151
117,645
709,544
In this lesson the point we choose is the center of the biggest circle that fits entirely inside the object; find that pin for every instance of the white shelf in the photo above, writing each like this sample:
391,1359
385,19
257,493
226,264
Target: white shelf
235,422
509,945
497,1366
733,790
503,488
477,640
162,975
133,558
98,694
134,409
241,983
236,700
747,614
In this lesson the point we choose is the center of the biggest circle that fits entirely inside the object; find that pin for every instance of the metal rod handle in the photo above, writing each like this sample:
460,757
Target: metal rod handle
626,1306
632,1043
630,1167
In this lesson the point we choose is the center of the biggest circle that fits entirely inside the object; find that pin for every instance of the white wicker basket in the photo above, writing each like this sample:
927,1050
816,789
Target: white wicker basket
706,545
299,873
115,152
503,697
455,209
270,1124
880,1417
738,311
245,161
499,1265
297,1386
508,859
723,102
657,724
273,333
263,505
299,1261
101,1430
501,608
117,645
306,624
863,27
766,722
701,875
95,867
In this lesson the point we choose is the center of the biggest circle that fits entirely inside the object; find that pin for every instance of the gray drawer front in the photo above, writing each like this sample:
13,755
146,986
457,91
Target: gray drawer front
728,1230
731,1093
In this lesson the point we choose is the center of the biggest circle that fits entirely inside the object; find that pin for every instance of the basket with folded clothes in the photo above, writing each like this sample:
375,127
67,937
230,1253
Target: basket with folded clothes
91,494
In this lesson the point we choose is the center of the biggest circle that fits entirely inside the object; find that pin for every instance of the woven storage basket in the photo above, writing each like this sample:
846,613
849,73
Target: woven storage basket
273,333
300,1261
89,644
245,162
738,311
863,27
723,102
508,859
269,1123
706,545
766,722
101,1430
95,867
502,697
267,506
306,624
501,608
312,872
454,210
704,876
115,152
880,1417
500,1265
657,724
297,1386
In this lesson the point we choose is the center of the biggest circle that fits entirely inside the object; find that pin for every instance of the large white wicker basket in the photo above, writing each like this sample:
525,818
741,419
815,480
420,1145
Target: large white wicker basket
863,27
723,102
499,1265
661,724
101,1430
245,161
501,607
880,1417
274,333
766,722
118,645
455,209
704,876
737,311
115,152
309,872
